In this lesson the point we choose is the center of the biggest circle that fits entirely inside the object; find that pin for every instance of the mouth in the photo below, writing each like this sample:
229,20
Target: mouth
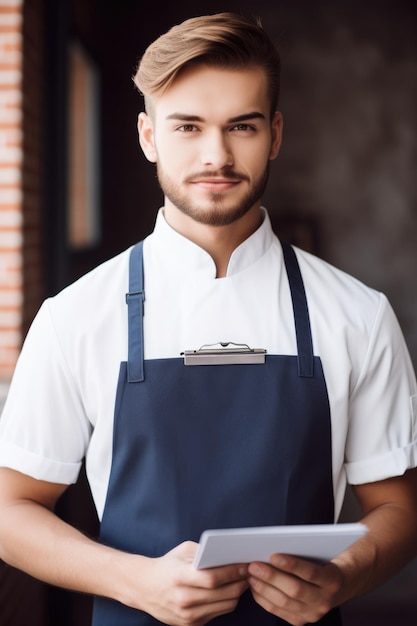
216,183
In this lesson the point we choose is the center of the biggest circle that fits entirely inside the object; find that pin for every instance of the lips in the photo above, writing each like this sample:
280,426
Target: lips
216,184
211,181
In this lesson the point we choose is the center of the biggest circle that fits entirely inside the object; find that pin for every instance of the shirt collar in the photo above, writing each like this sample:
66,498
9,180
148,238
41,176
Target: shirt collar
187,257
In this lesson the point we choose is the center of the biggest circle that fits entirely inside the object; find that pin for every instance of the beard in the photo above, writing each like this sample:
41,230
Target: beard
214,211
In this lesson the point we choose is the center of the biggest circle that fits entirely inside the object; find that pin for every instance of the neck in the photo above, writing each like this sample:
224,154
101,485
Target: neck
219,241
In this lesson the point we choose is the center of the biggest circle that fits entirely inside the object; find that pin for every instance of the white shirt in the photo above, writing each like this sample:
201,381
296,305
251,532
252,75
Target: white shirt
61,402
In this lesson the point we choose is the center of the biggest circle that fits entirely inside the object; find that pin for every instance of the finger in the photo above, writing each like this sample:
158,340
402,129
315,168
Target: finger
277,603
224,592
309,571
324,575
215,577
279,588
282,588
193,604
294,609
277,607
283,593
204,613
185,550
210,577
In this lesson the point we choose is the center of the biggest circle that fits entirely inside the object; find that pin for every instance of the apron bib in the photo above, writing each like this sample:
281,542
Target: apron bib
215,446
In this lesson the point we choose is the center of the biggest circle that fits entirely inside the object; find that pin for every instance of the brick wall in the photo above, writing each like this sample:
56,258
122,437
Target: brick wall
11,159
21,178
20,235
33,122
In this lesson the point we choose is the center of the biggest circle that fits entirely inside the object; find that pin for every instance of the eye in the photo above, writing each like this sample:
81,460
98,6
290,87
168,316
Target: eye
242,127
187,128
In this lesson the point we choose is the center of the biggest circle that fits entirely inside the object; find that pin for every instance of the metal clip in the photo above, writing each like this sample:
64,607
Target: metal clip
224,355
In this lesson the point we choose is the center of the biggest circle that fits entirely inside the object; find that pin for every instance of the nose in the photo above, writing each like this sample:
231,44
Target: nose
216,152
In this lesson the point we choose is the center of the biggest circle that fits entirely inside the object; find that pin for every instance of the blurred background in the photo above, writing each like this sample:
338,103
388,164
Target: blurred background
75,188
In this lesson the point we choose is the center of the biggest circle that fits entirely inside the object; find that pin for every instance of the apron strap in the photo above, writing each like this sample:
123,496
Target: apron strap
136,296
301,316
135,299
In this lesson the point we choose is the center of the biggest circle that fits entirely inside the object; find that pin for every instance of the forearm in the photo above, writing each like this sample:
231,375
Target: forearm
389,545
35,540
169,588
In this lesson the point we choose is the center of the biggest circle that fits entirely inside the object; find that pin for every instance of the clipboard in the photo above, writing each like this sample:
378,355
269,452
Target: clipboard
224,353
318,542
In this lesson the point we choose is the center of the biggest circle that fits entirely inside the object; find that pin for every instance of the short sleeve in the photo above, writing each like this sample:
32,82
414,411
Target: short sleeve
44,431
382,422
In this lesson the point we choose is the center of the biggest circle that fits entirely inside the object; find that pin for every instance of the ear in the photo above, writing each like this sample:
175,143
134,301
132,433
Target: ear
146,137
276,135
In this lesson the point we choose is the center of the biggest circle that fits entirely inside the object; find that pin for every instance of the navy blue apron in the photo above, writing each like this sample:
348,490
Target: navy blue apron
215,446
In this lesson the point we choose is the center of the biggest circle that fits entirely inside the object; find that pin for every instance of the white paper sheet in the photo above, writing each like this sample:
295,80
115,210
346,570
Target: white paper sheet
243,545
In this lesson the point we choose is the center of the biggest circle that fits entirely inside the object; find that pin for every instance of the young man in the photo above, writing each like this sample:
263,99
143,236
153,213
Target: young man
173,449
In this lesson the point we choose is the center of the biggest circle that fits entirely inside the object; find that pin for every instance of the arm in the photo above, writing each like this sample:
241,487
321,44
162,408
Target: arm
34,539
389,510
300,591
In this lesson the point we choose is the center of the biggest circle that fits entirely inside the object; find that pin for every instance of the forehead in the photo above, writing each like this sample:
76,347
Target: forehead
215,93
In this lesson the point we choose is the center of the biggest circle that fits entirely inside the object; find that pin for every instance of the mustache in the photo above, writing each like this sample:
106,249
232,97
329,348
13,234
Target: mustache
226,174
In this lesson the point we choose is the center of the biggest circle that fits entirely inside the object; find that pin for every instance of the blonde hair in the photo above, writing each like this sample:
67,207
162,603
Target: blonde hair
223,40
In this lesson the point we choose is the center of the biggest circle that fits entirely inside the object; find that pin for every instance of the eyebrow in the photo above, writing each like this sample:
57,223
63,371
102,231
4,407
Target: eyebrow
184,117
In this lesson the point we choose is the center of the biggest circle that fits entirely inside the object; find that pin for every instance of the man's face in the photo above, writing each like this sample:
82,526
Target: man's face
211,136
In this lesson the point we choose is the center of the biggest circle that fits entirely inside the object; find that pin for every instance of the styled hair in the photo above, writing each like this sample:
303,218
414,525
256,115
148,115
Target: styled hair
223,40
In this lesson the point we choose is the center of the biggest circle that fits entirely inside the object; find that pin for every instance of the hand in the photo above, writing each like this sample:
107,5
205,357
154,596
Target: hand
295,589
178,594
